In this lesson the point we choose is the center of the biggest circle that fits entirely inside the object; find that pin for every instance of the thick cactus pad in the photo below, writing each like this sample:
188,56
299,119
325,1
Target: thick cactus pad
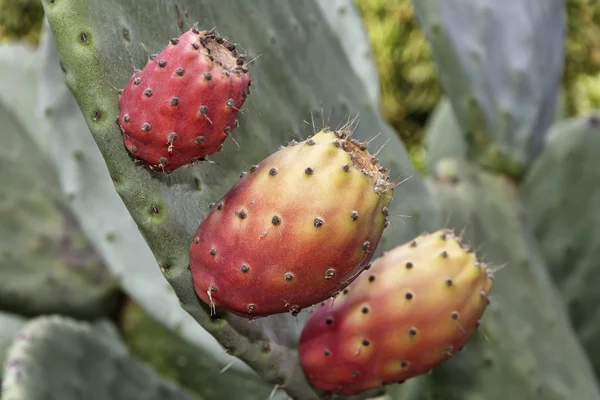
561,196
500,64
289,88
417,305
295,230
444,137
526,338
47,265
110,227
10,324
56,358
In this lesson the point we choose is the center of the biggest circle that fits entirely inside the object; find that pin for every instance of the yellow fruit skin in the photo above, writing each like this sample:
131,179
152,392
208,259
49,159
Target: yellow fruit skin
294,231
414,308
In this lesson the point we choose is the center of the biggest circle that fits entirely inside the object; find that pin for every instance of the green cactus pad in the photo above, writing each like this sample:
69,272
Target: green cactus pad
525,340
182,362
10,324
19,88
343,18
46,263
100,43
500,63
561,198
110,226
444,137
57,358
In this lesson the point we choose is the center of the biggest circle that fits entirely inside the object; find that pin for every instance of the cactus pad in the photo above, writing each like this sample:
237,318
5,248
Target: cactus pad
47,265
94,365
526,338
560,195
417,306
500,65
89,187
99,45
444,137
10,324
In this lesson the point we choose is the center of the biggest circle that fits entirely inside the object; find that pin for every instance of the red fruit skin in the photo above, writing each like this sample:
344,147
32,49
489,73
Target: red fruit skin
193,103
414,308
262,268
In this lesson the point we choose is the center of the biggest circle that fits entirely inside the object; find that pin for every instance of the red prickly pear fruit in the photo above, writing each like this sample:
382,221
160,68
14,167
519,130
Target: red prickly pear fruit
294,230
183,104
415,307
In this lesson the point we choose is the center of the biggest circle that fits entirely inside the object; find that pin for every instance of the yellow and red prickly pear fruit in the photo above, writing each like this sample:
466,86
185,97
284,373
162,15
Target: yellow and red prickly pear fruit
295,230
416,306
183,104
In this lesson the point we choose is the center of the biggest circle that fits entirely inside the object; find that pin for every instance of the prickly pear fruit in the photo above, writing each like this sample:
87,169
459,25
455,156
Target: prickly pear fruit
183,104
295,230
416,306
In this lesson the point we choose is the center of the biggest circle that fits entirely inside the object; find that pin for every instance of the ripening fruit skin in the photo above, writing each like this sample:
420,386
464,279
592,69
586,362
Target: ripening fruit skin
183,104
414,308
294,230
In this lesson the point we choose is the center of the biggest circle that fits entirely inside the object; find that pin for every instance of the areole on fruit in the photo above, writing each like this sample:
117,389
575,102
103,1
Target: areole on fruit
416,306
183,104
294,230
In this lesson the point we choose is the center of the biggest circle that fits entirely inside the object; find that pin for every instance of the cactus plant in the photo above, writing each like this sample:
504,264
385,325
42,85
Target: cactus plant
167,208
444,137
89,187
99,365
523,301
410,82
99,44
560,194
549,190
20,18
10,324
503,81
46,263
184,362
19,62
343,17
